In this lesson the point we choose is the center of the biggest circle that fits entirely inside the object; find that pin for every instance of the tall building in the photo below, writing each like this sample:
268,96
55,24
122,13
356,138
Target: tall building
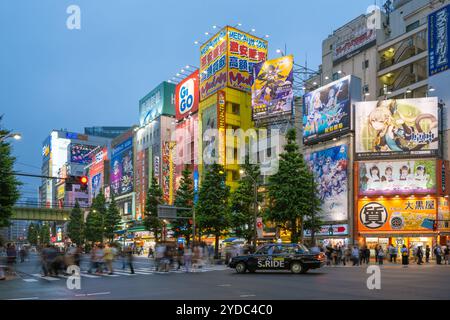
226,66
105,132
64,153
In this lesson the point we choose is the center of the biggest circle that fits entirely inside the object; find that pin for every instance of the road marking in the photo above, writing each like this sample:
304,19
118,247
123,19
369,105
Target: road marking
247,295
89,276
92,294
123,273
224,285
30,280
31,298
45,278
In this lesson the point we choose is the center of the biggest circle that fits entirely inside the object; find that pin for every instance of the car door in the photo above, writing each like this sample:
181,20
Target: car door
260,258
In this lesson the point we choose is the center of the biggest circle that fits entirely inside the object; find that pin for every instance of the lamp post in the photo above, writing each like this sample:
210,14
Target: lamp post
15,136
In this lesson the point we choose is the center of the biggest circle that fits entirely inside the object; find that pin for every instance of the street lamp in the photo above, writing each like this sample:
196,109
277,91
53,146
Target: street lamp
15,136
255,212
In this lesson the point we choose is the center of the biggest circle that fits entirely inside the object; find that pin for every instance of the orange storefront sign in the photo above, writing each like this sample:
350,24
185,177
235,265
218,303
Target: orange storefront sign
395,214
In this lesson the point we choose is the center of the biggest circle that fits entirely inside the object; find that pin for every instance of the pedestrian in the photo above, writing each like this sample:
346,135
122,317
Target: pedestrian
367,254
94,263
380,255
109,258
437,252
150,253
129,257
405,256
446,254
419,255
394,253
187,258
376,254
22,254
427,254
355,256
180,255
100,258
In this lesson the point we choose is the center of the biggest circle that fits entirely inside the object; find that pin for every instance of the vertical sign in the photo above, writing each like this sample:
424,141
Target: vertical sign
438,41
195,185
171,171
221,125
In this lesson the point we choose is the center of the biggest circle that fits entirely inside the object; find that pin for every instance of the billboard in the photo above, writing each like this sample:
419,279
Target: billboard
96,171
397,177
187,96
360,40
272,90
438,41
79,153
329,167
443,214
213,64
395,214
209,141
330,230
46,149
122,171
227,59
244,51
393,128
167,172
160,100
327,110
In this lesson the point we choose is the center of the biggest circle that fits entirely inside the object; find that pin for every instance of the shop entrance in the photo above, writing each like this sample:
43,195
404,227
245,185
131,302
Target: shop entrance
412,243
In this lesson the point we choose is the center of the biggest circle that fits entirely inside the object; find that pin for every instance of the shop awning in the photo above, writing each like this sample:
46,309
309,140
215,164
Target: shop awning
137,229
399,235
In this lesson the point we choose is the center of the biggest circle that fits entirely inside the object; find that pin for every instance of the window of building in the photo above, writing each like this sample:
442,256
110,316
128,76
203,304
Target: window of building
366,64
412,26
235,108
335,76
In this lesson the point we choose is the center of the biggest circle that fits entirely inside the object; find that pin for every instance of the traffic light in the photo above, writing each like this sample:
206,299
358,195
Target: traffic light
81,181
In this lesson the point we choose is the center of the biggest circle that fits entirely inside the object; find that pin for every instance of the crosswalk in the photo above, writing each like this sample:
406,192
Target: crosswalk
148,271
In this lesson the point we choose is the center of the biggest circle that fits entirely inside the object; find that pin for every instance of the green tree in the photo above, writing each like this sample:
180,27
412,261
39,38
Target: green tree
9,185
243,202
313,220
154,198
33,232
212,210
44,234
95,221
75,228
184,198
112,220
290,193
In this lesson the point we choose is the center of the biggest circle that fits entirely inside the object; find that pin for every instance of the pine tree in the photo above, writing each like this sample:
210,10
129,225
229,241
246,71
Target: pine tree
290,193
32,234
9,185
212,210
112,220
184,198
243,202
75,228
95,221
154,198
44,234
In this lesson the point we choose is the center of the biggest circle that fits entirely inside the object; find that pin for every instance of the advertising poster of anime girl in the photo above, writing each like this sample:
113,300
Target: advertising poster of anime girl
329,167
326,111
397,177
96,184
404,127
122,171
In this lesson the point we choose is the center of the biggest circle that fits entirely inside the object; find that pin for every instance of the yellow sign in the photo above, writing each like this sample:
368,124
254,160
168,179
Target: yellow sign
60,192
395,214
221,125
443,214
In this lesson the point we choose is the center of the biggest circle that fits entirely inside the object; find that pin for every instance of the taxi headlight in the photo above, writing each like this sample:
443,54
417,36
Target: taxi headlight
320,256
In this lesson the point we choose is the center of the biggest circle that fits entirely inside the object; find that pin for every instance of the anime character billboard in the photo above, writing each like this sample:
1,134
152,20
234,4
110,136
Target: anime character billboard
329,167
327,110
392,128
272,90
122,173
397,177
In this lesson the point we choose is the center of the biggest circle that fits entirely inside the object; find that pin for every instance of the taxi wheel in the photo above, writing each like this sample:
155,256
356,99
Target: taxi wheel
241,267
297,268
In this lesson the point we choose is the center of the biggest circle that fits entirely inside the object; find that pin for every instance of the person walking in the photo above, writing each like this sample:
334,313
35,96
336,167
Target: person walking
419,255
437,252
405,256
11,256
427,254
446,254
355,256
129,257
376,254
109,257
367,254
380,255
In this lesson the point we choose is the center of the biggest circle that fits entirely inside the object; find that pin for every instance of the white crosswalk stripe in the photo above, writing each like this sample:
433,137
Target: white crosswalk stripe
38,275
30,280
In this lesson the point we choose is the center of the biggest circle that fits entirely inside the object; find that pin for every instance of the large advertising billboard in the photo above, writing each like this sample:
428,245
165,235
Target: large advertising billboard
396,214
244,51
160,100
329,167
227,59
46,149
360,39
96,172
272,90
79,153
443,214
213,64
122,171
397,177
209,141
393,128
438,41
187,96
327,110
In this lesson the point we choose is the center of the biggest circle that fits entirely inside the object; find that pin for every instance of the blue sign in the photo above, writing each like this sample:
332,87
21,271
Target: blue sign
195,186
427,224
438,41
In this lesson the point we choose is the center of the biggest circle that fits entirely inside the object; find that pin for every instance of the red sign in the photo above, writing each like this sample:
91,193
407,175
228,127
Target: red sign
187,96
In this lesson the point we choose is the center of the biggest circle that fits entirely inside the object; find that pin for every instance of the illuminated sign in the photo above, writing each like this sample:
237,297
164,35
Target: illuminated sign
187,96
392,128
438,41
160,101
395,214
360,40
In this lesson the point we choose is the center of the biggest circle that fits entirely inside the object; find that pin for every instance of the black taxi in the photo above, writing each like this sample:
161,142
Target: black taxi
294,257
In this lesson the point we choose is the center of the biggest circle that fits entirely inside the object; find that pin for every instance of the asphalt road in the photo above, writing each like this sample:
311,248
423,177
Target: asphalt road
218,282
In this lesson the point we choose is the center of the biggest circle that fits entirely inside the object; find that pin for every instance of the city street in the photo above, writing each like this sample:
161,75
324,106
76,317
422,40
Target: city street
429,281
